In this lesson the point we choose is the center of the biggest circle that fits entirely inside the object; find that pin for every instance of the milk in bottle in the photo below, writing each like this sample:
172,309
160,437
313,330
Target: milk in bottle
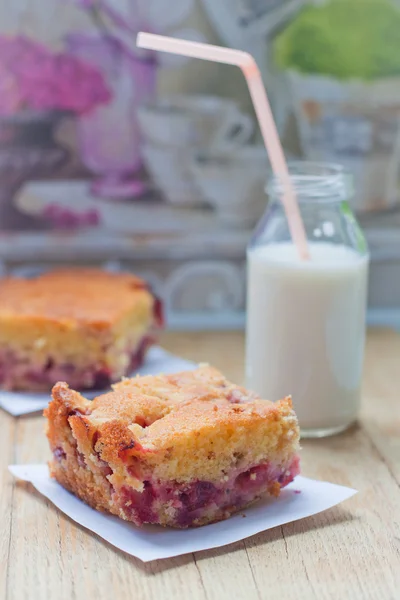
306,319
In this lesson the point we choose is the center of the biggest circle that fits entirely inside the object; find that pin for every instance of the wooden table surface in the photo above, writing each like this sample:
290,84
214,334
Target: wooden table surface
351,551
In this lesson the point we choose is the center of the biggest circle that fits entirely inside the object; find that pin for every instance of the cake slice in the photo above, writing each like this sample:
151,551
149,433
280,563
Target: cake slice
85,326
180,450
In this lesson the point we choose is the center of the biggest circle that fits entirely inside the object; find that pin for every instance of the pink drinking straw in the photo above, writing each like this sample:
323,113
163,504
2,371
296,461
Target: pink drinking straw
249,67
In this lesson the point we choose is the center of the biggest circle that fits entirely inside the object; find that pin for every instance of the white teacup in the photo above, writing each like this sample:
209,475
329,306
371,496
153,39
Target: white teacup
195,121
170,171
233,183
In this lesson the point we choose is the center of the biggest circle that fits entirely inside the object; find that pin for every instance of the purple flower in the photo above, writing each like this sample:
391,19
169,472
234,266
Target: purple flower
64,218
10,93
33,77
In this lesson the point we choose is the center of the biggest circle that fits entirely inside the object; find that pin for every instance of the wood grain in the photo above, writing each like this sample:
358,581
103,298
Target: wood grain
7,428
351,551
381,411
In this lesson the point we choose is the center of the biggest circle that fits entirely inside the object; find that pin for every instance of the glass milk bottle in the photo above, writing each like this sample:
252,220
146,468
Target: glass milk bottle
306,319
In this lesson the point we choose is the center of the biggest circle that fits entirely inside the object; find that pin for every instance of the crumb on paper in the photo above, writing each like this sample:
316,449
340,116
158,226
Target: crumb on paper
297,491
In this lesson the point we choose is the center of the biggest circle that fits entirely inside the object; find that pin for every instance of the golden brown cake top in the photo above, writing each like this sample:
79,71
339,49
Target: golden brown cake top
181,426
76,295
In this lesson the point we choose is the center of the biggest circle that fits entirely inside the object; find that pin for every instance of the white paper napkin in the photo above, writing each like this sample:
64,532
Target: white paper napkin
302,498
157,361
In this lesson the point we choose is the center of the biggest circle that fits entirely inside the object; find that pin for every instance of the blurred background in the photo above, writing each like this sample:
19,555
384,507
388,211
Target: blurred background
115,156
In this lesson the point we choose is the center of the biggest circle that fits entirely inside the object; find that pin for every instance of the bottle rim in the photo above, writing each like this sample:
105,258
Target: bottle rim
313,182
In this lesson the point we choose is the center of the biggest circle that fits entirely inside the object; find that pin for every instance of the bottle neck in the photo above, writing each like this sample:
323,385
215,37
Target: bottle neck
331,221
323,193
307,206
313,183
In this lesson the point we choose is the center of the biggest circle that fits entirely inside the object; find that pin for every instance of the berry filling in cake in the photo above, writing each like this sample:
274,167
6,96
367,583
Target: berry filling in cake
19,372
193,503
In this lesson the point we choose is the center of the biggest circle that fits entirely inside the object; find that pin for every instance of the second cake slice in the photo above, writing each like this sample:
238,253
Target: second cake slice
85,326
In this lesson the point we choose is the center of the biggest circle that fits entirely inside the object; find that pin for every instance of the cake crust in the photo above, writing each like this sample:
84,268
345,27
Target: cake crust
89,297
180,450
